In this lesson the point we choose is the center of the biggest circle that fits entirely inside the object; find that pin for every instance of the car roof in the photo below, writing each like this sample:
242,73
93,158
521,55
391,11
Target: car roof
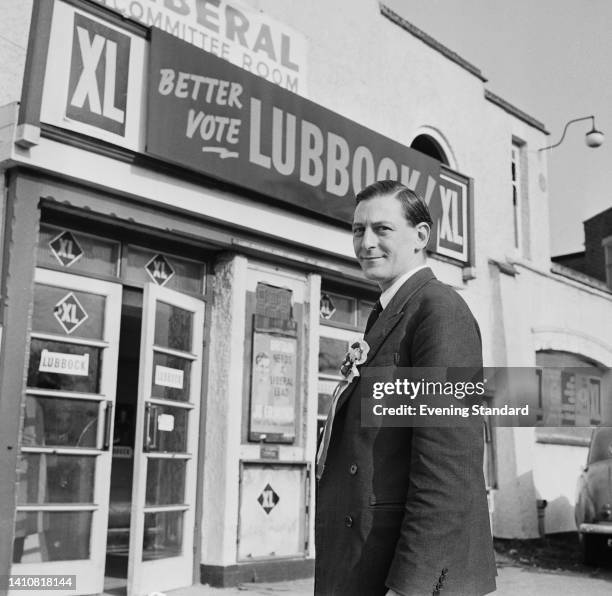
601,444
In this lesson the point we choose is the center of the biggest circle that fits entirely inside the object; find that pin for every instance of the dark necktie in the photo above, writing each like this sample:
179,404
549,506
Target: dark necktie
376,310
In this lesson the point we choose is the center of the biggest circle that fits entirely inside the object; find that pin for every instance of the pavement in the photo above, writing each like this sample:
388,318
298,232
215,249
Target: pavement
511,581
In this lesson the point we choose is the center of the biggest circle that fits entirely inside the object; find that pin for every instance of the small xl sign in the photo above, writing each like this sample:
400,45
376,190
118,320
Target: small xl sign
99,73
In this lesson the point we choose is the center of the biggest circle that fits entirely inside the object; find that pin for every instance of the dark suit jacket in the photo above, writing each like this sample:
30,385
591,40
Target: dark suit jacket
406,508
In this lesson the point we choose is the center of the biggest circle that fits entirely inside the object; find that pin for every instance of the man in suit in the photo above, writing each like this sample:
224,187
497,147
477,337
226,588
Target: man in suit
403,510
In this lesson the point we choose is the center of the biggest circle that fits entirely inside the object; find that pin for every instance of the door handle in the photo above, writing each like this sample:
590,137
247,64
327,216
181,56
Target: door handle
150,438
108,420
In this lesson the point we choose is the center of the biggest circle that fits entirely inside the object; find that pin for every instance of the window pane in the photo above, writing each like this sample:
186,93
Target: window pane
163,535
365,308
51,421
165,481
173,327
325,391
167,429
337,308
77,252
331,355
78,366
50,478
67,312
177,274
42,536
171,377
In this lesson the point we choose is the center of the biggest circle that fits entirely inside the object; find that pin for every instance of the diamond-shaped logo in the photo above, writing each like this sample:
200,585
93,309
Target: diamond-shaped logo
327,308
268,499
159,270
69,313
66,249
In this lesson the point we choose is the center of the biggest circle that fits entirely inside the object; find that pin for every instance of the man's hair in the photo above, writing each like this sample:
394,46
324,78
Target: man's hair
414,207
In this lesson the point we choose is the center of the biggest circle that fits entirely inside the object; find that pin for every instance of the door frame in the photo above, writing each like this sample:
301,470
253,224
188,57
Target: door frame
92,569
171,572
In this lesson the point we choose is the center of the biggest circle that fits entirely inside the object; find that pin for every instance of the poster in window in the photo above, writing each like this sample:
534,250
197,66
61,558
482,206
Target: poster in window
273,388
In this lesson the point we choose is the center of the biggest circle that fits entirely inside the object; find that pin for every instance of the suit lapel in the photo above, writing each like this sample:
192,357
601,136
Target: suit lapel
387,320
395,309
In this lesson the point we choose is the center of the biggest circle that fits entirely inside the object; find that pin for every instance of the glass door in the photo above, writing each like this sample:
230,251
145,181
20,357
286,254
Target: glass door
65,457
166,444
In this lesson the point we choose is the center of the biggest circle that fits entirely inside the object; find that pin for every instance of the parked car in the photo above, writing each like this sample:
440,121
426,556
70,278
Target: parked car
593,511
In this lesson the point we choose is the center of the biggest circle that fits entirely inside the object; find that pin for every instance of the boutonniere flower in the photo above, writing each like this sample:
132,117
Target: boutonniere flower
357,355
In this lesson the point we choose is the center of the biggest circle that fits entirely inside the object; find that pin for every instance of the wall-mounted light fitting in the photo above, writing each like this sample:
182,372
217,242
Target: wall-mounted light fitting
594,138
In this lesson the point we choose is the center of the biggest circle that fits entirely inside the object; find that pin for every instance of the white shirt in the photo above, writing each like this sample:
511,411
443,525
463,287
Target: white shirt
388,294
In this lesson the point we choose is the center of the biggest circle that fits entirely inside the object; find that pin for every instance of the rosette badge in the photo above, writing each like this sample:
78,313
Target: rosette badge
357,355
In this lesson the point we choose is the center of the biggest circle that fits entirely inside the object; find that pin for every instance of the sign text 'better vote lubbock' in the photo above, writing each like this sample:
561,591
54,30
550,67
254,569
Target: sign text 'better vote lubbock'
215,118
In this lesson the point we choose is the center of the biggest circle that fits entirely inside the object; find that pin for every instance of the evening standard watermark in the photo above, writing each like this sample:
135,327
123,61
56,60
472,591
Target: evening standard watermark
505,396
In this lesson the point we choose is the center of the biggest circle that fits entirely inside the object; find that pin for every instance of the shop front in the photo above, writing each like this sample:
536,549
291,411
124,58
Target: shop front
178,289
110,421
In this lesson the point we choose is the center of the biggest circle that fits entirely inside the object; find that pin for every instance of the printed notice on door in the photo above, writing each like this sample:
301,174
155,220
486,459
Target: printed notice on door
168,377
64,364
273,390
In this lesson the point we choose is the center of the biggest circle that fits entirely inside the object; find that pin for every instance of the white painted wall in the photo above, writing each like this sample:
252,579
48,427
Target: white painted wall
224,413
556,469
14,28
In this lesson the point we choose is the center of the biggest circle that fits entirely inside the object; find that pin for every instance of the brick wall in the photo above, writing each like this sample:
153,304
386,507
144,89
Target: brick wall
595,230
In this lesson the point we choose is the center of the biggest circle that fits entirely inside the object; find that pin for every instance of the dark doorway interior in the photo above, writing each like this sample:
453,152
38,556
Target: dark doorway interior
118,537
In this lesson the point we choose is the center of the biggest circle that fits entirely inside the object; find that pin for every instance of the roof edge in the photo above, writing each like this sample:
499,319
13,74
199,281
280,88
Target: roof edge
583,278
508,107
430,41
596,215
579,253
454,57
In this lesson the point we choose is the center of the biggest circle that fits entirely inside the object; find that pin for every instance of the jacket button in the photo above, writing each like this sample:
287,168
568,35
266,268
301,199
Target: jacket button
348,521
353,469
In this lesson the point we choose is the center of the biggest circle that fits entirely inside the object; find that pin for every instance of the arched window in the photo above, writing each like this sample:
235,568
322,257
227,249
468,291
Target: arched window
429,146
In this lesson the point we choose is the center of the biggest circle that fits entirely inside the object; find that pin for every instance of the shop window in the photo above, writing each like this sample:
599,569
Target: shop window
343,310
343,319
272,365
71,250
76,252
145,265
570,401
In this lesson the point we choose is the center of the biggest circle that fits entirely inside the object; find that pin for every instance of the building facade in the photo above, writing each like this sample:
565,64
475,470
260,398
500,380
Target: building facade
178,284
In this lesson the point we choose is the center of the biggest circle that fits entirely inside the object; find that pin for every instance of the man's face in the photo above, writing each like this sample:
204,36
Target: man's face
385,243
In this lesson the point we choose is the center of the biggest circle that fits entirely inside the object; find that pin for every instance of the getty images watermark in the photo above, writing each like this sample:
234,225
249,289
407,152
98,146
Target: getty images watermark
505,396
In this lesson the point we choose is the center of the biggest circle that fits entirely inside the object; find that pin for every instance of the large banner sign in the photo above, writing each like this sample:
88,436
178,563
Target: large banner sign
217,119
247,38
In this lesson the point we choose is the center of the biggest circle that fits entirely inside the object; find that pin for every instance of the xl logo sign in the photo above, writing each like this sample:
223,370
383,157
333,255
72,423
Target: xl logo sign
450,213
99,72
